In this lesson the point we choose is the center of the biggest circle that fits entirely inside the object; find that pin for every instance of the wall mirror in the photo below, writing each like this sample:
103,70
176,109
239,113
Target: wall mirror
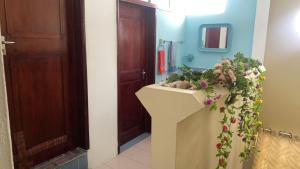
215,37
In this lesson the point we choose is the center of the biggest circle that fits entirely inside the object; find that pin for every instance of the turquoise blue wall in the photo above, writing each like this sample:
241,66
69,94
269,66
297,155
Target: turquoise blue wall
169,26
240,14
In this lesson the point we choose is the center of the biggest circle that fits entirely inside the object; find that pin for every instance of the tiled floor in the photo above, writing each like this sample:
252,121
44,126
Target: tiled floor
134,141
136,157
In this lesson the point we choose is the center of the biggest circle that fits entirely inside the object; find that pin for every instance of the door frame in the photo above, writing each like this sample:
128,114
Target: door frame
80,47
151,57
79,51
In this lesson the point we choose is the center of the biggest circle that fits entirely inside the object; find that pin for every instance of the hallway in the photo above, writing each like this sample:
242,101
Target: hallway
149,84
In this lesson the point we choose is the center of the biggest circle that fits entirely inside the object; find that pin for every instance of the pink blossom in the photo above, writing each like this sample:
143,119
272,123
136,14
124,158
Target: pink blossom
203,84
208,102
226,61
218,66
232,75
218,97
222,77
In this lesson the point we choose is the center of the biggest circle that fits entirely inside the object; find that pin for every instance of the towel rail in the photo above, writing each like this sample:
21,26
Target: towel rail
162,41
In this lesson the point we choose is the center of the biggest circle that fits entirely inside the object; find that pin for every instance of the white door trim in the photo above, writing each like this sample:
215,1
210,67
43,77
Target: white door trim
6,155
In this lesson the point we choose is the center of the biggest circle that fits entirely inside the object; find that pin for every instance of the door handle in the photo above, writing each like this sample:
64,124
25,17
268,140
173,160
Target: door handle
143,73
4,43
8,42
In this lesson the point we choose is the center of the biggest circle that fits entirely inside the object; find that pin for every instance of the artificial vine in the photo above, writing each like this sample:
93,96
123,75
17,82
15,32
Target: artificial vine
243,77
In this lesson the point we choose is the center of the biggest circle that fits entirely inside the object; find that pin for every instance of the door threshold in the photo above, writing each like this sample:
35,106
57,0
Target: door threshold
75,159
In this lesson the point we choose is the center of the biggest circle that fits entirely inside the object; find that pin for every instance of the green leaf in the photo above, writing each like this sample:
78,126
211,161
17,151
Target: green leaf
214,107
173,78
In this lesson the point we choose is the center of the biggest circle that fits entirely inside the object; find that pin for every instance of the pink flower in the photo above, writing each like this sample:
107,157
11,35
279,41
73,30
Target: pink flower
203,84
218,97
231,75
226,61
222,162
218,66
208,102
225,128
222,77
233,120
219,145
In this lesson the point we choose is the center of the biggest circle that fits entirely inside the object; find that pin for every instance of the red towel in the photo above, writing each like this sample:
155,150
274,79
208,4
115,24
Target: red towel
161,61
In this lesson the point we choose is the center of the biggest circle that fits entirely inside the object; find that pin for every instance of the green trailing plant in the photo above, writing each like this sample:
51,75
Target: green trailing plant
243,77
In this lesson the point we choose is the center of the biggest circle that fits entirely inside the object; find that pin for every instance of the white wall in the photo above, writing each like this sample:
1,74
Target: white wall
5,139
260,29
101,36
281,109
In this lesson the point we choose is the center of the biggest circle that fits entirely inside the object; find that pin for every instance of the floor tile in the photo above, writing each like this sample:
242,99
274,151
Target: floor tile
144,145
70,165
121,162
135,157
140,157
82,162
103,167
134,141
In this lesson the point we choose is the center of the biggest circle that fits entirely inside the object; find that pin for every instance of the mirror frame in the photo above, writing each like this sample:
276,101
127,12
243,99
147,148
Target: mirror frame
229,40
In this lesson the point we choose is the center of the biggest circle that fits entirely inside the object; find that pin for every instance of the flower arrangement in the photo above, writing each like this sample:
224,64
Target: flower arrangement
243,77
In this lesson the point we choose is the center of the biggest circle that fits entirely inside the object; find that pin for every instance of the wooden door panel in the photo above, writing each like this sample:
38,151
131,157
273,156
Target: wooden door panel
45,87
35,27
132,114
40,99
131,43
47,24
130,105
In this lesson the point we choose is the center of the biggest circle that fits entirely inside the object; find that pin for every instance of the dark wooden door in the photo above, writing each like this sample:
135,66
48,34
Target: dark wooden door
44,78
135,67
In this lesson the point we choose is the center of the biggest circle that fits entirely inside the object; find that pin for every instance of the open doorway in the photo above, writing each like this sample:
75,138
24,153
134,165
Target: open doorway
136,68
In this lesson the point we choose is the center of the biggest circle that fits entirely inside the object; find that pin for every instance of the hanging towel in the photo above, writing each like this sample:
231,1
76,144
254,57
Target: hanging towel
172,57
161,61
